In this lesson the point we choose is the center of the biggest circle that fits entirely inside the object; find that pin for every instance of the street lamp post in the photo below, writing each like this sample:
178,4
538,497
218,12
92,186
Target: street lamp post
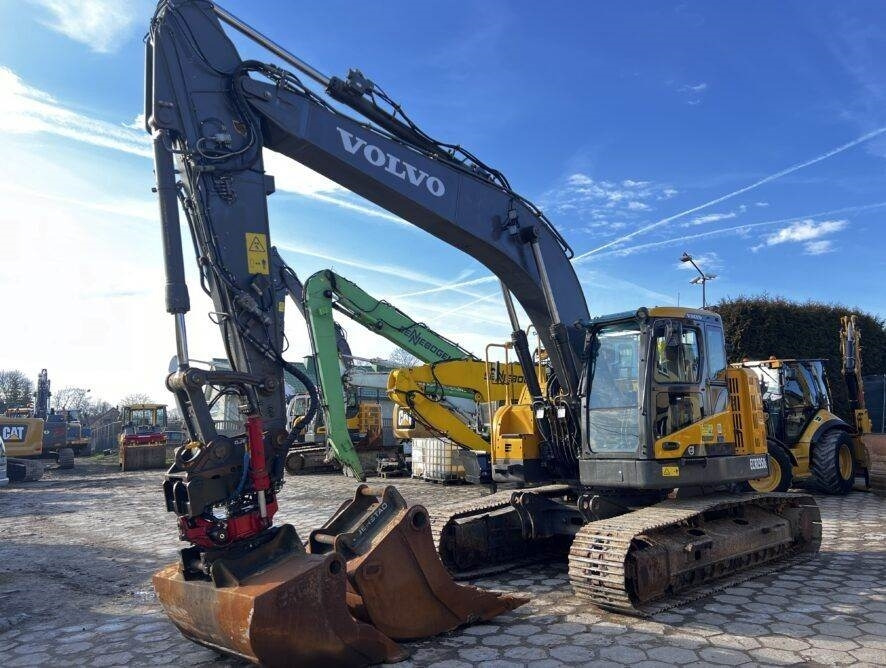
702,277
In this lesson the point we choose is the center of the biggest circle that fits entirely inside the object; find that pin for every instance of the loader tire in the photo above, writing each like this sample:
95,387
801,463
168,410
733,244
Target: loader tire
66,458
781,474
833,464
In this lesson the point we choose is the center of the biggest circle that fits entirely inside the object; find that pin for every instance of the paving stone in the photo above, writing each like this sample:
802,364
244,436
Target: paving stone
522,653
734,641
478,654
833,643
565,628
672,655
571,653
502,640
621,654
40,659
723,657
482,629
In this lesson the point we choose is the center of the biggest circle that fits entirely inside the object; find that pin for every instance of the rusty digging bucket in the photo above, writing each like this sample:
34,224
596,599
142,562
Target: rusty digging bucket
372,575
396,580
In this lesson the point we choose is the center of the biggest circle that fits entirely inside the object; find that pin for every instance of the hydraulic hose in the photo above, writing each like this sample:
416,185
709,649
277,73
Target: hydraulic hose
313,403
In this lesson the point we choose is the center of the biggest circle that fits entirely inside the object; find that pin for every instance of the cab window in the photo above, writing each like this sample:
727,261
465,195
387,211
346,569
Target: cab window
678,362
716,350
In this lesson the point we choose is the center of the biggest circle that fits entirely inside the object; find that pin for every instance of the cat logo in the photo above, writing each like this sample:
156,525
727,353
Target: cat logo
14,433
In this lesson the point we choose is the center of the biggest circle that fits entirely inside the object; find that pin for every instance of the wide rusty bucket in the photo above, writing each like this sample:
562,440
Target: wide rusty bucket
292,612
396,580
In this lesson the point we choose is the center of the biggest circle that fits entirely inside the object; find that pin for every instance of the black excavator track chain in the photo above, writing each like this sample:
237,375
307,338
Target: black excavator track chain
599,553
479,507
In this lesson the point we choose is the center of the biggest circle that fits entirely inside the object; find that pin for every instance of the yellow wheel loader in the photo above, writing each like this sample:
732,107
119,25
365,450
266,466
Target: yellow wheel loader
808,444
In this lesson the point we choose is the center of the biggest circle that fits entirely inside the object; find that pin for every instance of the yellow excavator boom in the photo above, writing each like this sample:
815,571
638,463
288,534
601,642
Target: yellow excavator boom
494,382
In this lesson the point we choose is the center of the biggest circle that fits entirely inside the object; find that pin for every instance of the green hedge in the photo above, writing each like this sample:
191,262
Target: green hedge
757,327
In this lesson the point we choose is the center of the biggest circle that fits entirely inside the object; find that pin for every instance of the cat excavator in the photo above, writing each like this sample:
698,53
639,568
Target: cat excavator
605,457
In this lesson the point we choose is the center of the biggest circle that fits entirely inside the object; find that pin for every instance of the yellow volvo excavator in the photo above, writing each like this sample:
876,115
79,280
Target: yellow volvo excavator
615,432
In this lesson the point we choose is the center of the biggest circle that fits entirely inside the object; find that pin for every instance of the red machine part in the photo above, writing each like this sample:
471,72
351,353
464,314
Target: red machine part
212,532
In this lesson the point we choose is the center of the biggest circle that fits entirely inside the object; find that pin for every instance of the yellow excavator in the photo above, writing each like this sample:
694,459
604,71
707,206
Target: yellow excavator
489,383
634,405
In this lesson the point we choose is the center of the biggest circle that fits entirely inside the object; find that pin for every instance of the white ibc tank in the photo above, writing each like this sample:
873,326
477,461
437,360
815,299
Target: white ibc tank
440,460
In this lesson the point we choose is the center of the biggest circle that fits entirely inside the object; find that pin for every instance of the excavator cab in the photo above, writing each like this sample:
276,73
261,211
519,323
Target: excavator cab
662,406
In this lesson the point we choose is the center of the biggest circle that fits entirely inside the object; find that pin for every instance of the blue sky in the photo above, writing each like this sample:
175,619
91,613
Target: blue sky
751,134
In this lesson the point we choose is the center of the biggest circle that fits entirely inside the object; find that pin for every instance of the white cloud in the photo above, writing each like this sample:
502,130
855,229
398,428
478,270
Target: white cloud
25,109
712,218
102,25
761,204
138,123
818,247
693,92
607,203
804,230
756,184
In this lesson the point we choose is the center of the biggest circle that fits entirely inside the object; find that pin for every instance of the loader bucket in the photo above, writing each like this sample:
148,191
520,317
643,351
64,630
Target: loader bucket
292,612
396,579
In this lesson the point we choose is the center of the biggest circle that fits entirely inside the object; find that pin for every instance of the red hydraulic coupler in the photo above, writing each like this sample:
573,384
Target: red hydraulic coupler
256,443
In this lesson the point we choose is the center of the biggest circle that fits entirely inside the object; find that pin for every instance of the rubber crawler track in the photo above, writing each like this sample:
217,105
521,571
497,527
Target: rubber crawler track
598,557
485,504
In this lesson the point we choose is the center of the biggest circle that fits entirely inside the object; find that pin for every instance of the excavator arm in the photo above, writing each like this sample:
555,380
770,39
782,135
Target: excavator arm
487,382
327,292
850,349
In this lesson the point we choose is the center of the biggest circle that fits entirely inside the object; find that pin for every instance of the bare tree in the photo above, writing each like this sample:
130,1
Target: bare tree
72,399
96,408
16,389
136,398
403,359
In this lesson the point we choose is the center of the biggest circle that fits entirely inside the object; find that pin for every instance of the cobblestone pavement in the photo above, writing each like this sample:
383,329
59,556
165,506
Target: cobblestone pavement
77,550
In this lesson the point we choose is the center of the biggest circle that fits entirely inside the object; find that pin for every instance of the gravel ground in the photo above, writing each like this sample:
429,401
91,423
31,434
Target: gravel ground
77,550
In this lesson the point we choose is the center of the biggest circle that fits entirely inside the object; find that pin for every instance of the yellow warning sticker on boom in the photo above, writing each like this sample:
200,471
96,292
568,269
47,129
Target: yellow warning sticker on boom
257,253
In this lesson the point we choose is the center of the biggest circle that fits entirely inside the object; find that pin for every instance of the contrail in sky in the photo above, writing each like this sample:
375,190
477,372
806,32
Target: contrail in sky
664,221
737,228
734,193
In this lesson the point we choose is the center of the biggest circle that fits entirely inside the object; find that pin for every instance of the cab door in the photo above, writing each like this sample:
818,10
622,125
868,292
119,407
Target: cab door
716,395
799,401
